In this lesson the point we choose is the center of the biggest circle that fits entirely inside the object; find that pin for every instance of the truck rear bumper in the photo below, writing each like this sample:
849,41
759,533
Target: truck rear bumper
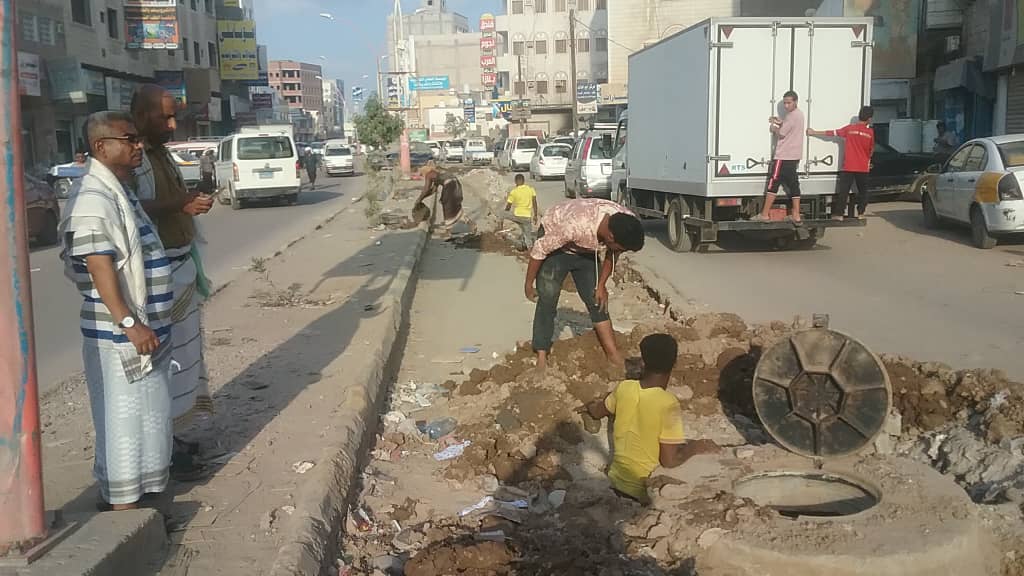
750,226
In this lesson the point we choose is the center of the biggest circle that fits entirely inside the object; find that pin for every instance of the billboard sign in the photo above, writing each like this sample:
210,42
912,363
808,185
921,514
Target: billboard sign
487,43
29,83
487,22
174,82
429,83
488,79
239,56
151,24
586,97
262,100
488,61
469,111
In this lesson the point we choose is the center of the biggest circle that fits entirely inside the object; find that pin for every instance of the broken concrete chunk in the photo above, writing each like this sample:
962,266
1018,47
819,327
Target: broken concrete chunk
709,537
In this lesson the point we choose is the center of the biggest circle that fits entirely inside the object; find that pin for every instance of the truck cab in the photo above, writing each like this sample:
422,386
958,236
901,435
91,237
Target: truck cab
619,160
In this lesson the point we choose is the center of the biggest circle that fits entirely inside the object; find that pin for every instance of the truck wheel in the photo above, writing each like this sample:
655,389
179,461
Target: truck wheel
979,230
678,238
236,202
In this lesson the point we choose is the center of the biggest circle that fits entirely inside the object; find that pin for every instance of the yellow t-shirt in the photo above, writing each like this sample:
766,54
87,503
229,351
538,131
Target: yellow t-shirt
644,419
521,199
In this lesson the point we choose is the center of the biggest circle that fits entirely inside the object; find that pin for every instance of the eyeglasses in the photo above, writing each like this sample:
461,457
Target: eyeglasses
132,139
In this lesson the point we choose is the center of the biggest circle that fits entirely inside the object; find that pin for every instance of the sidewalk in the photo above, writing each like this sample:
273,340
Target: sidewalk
297,347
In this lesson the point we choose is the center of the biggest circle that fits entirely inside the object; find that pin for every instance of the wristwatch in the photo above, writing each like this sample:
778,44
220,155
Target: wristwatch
126,323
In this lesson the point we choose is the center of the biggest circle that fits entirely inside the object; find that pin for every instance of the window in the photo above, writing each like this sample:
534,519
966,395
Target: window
519,88
517,6
209,6
195,4
561,43
264,148
540,46
1012,154
211,51
518,48
28,28
600,4
542,86
561,85
81,12
47,30
582,5
583,44
540,6
956,163
112,28
184,48
601,41
559,5
976,160
196,53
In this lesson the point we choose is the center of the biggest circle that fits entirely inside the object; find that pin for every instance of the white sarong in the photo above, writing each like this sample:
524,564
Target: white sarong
190,390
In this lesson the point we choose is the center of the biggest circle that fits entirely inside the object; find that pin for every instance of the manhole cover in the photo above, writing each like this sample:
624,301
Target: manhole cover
821,393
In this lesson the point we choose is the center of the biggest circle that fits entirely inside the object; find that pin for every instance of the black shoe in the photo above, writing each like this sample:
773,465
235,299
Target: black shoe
185,468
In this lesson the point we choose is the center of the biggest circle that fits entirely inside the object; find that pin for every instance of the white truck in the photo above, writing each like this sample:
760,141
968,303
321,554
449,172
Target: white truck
695,145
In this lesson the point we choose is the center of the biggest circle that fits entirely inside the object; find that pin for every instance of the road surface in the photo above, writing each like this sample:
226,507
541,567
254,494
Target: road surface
901,288
235,237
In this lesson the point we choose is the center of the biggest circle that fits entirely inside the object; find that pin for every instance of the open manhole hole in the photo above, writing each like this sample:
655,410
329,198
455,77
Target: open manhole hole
818,494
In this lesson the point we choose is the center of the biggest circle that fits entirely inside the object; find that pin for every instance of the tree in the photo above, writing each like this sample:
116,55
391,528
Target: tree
376,126
455,126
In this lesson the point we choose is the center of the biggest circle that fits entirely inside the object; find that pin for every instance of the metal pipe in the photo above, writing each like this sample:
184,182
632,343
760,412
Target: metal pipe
22,518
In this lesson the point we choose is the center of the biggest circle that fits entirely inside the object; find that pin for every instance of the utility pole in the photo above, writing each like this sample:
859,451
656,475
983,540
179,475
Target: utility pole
572,71
22,520
520,93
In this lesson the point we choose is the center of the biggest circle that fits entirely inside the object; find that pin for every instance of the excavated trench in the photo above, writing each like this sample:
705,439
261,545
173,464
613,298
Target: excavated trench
900,503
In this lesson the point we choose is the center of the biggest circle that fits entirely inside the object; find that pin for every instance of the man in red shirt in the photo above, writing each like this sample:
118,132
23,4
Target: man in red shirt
860,144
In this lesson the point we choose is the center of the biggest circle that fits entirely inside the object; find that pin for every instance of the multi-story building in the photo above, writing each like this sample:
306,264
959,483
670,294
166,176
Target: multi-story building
534,41
334,108
81,48
301,86
432,18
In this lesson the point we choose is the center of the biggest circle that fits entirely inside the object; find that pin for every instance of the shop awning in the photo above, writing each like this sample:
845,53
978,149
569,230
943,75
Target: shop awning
963,73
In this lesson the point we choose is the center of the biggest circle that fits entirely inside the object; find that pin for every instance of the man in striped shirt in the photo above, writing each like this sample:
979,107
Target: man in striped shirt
113,256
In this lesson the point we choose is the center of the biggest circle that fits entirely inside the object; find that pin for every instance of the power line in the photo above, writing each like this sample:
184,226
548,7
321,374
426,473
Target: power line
609,38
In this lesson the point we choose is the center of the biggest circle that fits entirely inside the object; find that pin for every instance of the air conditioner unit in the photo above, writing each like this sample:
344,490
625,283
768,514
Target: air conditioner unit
952,43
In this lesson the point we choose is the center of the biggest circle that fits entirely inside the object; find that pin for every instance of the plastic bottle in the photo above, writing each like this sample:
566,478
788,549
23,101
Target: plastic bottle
441,428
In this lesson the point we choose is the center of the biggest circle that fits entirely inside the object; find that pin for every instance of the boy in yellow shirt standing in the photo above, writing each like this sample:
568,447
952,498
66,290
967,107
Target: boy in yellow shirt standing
522,201
648,421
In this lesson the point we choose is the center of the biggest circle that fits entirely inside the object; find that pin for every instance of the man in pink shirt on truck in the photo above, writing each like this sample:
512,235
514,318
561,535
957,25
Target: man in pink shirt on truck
784,167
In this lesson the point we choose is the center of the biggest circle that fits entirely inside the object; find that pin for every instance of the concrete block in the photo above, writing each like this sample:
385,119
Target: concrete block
107,544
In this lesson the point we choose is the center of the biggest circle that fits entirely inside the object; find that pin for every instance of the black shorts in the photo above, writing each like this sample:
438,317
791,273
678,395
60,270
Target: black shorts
784,173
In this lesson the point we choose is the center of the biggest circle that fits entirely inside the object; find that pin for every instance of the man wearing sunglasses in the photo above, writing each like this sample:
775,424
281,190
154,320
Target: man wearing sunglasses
112,254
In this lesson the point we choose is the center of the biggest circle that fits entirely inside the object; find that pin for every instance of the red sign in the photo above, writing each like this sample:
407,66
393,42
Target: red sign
488,78
487,44
486,22
489,61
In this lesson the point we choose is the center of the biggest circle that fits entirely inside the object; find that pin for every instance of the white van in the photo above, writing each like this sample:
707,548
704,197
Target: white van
518,152
260,162
338,158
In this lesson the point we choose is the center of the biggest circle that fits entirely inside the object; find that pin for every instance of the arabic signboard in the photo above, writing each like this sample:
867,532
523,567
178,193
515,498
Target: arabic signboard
487,22
488,61
487,44
470,113
586,97
151,24
489,79
239,57
28,74
174,82
429,83
261,101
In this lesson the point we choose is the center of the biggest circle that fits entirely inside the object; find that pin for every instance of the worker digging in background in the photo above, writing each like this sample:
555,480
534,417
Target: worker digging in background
648,421
522,202
435,178
571,235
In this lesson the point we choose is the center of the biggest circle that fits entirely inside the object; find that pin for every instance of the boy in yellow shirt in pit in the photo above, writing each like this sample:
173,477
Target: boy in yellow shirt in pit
648,421
522,202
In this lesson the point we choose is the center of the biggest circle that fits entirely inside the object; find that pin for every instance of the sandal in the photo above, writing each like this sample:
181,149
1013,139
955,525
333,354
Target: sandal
185,468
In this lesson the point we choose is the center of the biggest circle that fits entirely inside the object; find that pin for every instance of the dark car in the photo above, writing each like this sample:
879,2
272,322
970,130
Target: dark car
419,155
42,212
893,173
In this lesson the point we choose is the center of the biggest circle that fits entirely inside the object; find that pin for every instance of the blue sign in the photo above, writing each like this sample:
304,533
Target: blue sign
586,90
470,113
428,83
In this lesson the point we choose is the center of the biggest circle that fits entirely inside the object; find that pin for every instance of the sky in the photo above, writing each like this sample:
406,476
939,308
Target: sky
348,47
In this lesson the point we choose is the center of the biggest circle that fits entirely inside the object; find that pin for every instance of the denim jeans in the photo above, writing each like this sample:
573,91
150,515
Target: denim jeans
526,226
552,274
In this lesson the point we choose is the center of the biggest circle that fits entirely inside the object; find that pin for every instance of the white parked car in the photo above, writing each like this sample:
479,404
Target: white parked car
476,152
338,158
188,164
435,148
980,185
454,151
550,161
518,152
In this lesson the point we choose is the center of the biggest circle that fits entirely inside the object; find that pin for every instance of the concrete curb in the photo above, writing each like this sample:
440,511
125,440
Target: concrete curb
312,538
662,290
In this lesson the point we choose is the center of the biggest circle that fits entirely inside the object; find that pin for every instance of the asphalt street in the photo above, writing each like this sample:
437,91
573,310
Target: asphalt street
235,238
902,289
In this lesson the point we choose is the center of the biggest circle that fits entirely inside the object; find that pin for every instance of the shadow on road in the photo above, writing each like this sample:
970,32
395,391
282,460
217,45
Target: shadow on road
912,220
734,242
